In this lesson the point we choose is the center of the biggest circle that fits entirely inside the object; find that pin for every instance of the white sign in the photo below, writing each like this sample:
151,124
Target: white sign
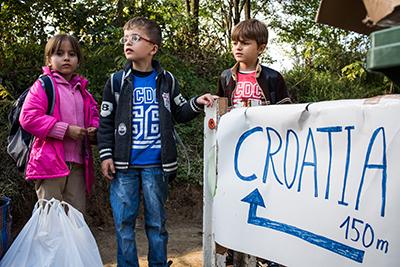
311,185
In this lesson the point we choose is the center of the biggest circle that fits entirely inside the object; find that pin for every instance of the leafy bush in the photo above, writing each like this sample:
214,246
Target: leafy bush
308,85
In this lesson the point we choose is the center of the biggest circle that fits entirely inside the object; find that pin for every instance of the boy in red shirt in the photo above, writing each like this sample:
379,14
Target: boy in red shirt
248,83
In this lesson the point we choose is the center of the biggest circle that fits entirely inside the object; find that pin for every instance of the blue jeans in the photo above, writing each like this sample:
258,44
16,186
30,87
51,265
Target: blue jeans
125,200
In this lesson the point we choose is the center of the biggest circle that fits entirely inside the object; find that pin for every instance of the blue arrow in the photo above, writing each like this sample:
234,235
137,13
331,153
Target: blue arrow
255,199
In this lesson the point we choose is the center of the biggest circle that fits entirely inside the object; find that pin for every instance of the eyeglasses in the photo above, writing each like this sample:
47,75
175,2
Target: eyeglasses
133,38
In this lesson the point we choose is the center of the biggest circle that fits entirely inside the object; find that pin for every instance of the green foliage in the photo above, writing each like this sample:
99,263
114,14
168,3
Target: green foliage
12,184
308,85
4,93
26,26
328,63
197,73
315,45
354,70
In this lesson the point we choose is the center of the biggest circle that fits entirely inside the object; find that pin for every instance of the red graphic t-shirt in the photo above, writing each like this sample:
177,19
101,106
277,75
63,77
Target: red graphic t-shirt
247,92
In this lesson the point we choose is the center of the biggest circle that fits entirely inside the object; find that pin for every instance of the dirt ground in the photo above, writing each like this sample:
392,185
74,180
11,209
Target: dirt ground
184,225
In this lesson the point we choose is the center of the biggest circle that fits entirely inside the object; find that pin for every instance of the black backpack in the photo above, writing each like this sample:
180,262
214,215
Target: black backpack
19,141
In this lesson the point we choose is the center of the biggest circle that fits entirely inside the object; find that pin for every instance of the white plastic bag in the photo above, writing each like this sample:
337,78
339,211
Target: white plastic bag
53,238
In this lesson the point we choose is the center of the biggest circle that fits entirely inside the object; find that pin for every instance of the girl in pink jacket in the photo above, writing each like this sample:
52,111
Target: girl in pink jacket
60,161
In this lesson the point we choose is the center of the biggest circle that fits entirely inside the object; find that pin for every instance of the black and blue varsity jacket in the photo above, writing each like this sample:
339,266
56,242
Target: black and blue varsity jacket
115,131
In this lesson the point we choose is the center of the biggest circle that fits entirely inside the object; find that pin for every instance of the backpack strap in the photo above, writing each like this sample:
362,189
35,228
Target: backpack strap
177,137
172,81
117,81
48,86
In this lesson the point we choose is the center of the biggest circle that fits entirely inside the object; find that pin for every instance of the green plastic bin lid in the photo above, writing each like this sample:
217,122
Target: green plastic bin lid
385,49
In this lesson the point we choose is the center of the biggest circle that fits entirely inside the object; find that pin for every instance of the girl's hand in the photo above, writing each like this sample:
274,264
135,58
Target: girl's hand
206,100
76,132
92,133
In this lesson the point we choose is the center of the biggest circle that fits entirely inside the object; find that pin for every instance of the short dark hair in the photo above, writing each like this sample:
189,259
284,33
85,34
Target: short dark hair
251,29
54,43
151,28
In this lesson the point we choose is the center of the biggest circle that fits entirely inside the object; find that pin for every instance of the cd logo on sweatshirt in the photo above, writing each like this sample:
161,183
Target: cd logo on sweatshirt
122,129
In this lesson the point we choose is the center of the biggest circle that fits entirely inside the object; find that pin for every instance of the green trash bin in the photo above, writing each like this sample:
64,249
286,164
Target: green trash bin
384,54
5,225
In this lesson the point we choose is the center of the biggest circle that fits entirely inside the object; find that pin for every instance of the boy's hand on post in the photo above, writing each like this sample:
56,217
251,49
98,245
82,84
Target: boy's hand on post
206,99
76,132
107,169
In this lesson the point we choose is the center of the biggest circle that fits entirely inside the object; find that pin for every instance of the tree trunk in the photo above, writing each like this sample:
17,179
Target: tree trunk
247,9
192,9
236,12
188,7
195,26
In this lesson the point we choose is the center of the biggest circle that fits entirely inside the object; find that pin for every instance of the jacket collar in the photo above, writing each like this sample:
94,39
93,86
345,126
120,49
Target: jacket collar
235,69
155,64
77,81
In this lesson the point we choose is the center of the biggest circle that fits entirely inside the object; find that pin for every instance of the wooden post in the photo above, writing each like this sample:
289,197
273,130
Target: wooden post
212,116
214,255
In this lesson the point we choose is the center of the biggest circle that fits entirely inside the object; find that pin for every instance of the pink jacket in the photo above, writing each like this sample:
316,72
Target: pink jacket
46,160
